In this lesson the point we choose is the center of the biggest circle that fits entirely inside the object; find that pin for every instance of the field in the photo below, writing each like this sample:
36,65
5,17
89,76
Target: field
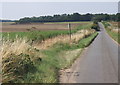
37,56
41,35
11,27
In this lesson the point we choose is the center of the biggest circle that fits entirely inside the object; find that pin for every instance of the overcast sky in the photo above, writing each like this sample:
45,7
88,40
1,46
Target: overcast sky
17,10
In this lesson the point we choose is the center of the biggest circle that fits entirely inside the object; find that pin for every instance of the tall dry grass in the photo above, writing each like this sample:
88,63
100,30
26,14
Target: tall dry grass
17,47
18,58
114,27
64,38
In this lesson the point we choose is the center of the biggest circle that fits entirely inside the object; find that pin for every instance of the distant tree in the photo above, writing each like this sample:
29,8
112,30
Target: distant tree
75,16
118,17
25,20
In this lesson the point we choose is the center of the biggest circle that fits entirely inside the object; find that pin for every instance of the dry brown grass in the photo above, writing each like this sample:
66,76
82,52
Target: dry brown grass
114,27
15,57
17,47
116,30
115,24
64,38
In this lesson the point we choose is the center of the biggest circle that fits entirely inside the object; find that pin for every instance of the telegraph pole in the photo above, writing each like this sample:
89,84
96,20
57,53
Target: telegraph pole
69,27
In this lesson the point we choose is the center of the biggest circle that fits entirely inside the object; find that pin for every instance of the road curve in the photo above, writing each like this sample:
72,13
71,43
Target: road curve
98,63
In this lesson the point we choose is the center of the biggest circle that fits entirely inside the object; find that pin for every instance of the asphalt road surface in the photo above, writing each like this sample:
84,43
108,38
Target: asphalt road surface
98,63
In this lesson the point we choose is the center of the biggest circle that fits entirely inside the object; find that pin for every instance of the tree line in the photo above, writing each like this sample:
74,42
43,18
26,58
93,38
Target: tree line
7,20
71,18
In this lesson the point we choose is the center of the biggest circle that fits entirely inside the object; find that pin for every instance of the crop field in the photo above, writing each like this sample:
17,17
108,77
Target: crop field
12,27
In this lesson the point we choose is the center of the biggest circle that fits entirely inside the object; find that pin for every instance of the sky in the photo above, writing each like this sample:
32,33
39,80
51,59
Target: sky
59,0
16,10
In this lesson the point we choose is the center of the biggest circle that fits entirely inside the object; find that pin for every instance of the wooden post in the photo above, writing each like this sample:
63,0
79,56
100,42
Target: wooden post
69,27
84,33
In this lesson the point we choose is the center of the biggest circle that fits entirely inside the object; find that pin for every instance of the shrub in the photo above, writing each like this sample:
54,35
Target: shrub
95,26
16,66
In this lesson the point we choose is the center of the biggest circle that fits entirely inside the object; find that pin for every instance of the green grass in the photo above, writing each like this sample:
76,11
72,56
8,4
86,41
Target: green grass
87,41
48,68
114,35
33,35
106,24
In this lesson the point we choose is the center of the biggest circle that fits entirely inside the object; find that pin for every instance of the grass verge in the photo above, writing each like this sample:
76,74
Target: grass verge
113,34
54,60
